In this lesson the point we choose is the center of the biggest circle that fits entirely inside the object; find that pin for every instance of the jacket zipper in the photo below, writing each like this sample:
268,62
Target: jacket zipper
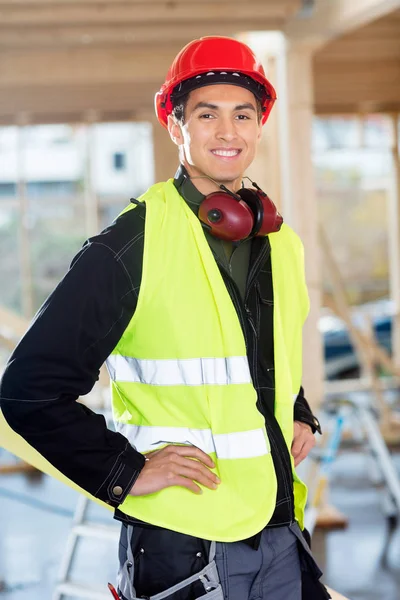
245,316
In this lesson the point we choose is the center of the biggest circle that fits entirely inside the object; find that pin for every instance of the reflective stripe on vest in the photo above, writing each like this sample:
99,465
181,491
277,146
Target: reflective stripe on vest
190,371
242,444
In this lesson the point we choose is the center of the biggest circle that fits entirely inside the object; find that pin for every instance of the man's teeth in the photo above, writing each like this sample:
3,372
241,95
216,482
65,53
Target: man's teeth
226,152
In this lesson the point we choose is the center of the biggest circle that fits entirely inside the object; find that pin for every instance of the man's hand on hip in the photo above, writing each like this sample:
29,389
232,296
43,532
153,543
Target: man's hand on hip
186,466
303,441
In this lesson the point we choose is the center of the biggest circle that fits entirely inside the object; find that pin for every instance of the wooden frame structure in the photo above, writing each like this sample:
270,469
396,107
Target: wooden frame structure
91,60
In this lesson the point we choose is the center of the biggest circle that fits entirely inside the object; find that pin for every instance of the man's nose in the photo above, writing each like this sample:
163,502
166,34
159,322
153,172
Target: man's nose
226,129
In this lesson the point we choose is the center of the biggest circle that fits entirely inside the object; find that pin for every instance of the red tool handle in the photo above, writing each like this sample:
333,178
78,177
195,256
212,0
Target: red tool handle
113,591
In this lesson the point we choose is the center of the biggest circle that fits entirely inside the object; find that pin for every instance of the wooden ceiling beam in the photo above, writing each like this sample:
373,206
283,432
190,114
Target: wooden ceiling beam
91,35
126,96
376,41
291,6
355,83
55,117
331,20
70,103
140,12
347,108
365,50
74,66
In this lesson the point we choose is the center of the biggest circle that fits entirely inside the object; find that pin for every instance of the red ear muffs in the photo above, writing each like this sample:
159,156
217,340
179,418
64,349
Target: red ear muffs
235,217
226,217
266,217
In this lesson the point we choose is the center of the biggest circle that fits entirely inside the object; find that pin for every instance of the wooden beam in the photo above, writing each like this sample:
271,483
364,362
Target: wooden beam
85,66
303,209
346,108
125,34
53,103
52,118
141,12
333,19
394,240
366,50
365,85
290,5
379,40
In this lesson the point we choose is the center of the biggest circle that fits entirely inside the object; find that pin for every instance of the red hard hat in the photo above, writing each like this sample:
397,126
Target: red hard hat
213,54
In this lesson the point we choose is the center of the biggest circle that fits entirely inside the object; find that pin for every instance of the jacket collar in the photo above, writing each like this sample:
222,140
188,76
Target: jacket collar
187,189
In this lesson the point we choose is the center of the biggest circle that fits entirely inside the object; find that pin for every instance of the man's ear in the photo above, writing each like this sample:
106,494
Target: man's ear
174,130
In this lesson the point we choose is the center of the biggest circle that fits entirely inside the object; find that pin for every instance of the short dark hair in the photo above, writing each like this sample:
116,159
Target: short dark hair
179,108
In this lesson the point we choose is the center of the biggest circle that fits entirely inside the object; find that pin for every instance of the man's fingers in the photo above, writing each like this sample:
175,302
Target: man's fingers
297,446
196,467
300,457
187,483
197,475
192,452
303,453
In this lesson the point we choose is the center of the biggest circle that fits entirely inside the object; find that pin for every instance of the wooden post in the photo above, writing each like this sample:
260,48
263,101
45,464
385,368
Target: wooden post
24,237
394,240
92,217
302,212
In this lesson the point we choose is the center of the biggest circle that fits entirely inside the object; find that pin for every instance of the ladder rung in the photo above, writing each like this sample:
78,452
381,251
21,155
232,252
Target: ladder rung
105,532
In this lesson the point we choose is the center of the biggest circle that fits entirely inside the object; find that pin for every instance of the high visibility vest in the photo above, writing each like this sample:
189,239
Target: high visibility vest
180,374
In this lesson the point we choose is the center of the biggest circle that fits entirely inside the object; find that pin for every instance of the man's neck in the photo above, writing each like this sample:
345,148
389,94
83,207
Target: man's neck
207,185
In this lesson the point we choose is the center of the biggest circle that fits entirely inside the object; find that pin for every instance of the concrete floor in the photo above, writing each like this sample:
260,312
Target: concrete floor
33,538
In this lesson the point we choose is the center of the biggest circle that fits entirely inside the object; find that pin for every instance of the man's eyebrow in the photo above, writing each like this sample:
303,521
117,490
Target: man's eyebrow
206,105
247,105
244,106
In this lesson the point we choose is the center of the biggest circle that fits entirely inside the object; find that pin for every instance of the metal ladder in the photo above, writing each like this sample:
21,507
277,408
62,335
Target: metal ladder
364,413
81,528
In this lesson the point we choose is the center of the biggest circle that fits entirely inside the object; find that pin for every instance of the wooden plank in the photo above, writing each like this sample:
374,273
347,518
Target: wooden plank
394,240
140,12
368,50
331,20
86,66
122,34
17,467
62,103
290,5
357,83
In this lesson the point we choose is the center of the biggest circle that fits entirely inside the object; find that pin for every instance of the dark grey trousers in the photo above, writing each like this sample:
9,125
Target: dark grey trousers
229,571
270,573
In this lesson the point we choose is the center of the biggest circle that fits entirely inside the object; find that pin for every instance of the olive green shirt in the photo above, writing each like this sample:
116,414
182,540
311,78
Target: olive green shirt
234,256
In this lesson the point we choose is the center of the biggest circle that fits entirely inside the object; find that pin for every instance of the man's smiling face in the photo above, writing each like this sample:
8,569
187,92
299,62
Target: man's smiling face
219,136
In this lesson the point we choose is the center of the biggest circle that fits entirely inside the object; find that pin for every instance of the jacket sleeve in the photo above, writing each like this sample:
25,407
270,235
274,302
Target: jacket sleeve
59,359
303,413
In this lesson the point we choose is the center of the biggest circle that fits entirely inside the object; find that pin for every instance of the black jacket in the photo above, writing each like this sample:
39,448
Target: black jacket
77,328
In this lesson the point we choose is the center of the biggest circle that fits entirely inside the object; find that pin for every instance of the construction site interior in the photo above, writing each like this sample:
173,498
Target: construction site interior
79,138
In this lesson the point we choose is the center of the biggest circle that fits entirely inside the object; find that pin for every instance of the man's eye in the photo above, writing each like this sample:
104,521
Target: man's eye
243,117
206,116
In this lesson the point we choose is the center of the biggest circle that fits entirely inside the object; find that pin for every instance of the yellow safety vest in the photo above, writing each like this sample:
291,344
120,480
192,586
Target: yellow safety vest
180,374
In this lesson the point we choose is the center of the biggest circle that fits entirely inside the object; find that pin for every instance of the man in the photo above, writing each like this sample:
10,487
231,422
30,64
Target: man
198,313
